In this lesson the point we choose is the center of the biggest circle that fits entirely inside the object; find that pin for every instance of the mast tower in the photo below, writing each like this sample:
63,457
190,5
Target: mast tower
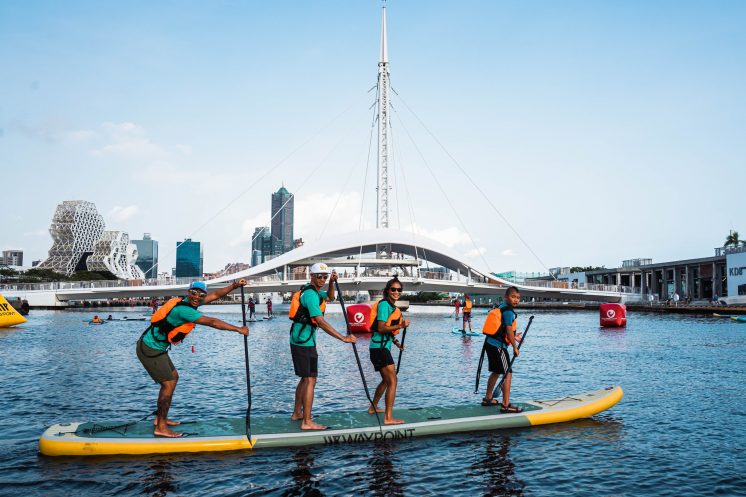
382,187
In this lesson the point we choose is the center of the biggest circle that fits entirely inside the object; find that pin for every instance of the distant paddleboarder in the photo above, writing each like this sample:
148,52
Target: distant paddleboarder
466,313
307,313
170,325
252,309
457,306
269,308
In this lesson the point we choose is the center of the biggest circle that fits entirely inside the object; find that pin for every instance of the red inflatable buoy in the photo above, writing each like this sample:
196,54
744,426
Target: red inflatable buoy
613,315
358,318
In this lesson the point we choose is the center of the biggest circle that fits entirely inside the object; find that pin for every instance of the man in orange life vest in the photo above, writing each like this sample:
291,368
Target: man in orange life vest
169,325
307,313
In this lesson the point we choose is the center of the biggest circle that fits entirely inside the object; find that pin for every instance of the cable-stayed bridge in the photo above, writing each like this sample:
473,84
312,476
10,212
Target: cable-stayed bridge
364,260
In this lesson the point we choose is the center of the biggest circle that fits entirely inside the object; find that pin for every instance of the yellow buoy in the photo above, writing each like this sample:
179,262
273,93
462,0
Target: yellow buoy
8,315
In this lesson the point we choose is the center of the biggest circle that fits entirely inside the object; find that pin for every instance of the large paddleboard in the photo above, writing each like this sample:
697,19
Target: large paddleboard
110,438
458,331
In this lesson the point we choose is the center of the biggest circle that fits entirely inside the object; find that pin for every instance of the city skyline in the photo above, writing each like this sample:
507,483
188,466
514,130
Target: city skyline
602,132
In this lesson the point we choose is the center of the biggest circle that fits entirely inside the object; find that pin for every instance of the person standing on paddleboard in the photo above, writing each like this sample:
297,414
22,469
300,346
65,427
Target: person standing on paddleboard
457,306
169,325
496,347
388,322
252,309
307,313
466,311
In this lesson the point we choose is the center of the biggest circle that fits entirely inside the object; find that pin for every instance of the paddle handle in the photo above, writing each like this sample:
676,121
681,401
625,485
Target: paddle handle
401,350
479,368
354,349
248,369
496,391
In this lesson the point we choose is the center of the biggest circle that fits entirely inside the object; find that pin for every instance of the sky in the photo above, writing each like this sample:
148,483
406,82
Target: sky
598,131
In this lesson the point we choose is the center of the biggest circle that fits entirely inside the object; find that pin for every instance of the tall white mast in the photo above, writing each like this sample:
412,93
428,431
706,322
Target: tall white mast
382,220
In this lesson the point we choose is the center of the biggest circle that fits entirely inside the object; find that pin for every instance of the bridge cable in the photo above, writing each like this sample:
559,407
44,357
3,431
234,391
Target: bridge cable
443,191
475,185
270,170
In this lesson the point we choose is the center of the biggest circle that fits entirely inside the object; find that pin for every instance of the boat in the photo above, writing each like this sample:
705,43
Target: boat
229,434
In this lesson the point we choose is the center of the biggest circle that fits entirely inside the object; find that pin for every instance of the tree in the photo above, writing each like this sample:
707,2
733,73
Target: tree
579,269
733,239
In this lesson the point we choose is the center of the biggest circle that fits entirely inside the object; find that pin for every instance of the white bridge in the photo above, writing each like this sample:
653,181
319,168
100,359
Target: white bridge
364,260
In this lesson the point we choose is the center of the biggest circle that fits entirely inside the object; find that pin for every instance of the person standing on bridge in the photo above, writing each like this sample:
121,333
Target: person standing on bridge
307,313
169,325
388,322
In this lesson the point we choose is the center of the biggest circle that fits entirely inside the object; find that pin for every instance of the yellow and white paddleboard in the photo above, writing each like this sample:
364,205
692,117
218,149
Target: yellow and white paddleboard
8,315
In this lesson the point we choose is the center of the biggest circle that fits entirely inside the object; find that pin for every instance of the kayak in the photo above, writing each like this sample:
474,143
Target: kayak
227,434
740,319
458,331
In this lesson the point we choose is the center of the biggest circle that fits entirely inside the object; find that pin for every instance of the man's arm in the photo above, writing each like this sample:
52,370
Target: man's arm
331,291
212,296
222,325
324,325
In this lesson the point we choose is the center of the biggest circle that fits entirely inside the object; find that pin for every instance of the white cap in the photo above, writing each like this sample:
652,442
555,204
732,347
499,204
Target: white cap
319,268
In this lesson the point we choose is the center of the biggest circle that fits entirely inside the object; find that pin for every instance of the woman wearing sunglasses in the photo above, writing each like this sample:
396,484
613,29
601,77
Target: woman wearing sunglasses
387,324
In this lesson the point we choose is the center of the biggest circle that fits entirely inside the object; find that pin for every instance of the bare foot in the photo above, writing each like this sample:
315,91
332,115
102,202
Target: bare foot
393,421
169,422
296,417
169,433
371,411
312,426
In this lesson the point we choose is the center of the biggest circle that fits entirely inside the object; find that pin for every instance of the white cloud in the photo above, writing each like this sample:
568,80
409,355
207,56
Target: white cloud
322,214
120,214
450,237
130,141
476,252
508,253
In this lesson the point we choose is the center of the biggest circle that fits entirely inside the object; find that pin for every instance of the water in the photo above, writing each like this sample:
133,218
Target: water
678,431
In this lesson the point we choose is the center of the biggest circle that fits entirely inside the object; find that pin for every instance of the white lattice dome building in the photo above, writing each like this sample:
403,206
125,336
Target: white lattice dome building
76,226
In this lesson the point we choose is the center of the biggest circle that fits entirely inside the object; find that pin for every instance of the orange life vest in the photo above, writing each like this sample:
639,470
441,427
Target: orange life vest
494,326
174,334
467,305
298,313
393,320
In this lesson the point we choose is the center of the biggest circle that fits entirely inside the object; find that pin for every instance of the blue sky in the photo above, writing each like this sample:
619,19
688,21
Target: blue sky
602,130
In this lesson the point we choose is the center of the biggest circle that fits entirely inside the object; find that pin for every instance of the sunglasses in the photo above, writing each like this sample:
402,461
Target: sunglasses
321,276
196,293
398,290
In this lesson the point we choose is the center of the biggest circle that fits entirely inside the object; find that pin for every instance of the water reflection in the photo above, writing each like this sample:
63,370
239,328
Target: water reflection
304,483
385,477
160,481
497,470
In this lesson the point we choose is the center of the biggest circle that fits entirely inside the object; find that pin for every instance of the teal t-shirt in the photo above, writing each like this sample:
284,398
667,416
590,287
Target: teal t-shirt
304,335
383,340
181,314
509,316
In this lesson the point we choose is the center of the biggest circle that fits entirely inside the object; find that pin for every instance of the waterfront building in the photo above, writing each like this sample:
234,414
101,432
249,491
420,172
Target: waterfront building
188,259
12,257
735,258
75,228
701,278
114,253
283,208
147,255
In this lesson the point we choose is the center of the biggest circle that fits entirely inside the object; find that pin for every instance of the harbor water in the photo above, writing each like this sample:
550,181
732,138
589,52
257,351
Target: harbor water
680,429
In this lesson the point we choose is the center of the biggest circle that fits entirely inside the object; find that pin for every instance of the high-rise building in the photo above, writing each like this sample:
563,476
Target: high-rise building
188,259
257,244
147,255
76,227
282,221
12,257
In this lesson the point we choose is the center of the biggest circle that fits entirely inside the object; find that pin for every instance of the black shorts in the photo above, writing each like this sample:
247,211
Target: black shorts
498,359
467,316
381,358
305,361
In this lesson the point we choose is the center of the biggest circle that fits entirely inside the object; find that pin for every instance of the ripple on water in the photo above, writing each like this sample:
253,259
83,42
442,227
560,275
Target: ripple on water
678,431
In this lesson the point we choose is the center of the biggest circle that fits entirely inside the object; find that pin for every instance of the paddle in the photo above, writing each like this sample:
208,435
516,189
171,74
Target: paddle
401,350
248,371
357,357
512,360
